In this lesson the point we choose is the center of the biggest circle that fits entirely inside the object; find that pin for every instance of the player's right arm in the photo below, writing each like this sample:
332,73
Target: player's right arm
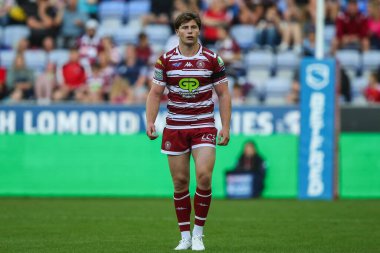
152,106
154,98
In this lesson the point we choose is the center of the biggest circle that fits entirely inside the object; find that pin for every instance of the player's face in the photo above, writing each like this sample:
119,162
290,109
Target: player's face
188,33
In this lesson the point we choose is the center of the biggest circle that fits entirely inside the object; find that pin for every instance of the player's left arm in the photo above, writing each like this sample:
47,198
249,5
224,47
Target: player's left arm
224,97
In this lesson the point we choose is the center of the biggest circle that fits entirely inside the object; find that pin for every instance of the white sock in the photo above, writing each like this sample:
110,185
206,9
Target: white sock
198,230
186,235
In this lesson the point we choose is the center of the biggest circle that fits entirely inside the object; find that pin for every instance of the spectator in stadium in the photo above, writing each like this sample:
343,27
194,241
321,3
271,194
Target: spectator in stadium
230,51
294,95
92,92
106,72
5,8
44,19
215,16
107,45
45,84
121,91
3,82
89,44
249,13
237,95
251,161
48,44
20,80
190,126
72,24
372,91
374,24
160,12
72,77
89,8
143,49
351,29
131,68
291,32
269,28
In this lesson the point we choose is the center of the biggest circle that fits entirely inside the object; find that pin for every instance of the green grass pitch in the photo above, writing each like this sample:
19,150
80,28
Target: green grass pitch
149,225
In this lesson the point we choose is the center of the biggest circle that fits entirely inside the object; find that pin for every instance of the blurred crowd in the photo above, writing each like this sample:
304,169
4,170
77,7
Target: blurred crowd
106,55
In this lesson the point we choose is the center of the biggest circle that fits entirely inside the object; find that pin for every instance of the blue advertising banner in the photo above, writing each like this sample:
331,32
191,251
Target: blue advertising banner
107,119
317,137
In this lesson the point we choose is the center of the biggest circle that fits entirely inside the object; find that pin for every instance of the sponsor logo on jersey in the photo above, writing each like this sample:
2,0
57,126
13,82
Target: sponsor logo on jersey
190,85
181,208
220,61
188,64
176,64
208,138
200,64
158,74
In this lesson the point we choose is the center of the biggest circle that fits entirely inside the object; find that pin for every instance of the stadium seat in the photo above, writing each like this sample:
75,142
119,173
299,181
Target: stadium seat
114,10
136,8
287,60
371,59
244,35
108,29
358,85
349,59
13,34
277,90
158,34
59,57
329,33
126,35
258,77
36,59
6,58
262,58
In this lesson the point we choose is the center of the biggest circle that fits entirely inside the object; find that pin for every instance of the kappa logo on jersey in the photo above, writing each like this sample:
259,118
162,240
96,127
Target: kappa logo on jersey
188,64
158,74
189,84
208,138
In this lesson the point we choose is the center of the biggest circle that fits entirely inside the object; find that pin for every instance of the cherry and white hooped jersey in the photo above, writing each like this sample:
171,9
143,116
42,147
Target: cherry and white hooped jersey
190,81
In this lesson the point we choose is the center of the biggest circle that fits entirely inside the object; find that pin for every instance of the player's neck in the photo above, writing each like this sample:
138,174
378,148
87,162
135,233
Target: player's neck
187,50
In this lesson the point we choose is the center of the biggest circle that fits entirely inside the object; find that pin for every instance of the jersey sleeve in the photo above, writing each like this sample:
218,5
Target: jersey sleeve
159,76
219,71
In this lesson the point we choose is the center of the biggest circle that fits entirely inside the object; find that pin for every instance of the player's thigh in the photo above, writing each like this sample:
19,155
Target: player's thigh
180,166
204,158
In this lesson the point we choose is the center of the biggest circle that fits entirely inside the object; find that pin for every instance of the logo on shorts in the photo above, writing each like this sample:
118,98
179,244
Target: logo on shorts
167,145
208,138
189,85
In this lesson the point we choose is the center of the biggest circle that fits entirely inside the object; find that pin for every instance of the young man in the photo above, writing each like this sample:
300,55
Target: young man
190,72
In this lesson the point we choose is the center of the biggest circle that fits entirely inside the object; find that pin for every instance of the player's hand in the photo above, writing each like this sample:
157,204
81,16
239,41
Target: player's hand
151,131
224,137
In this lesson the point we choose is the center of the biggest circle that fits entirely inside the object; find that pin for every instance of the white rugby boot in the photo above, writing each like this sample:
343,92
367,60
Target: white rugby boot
184,244
197,243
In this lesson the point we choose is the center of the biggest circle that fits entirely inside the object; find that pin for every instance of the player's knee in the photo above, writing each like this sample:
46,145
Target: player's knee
204,180
181,184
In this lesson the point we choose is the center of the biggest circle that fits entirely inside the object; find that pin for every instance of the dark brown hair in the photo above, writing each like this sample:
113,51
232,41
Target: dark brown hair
186,17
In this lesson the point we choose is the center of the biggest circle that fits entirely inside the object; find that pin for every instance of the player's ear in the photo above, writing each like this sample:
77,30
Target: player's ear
176,31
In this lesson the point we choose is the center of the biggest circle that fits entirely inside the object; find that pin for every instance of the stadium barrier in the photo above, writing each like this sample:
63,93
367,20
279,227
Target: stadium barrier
82,160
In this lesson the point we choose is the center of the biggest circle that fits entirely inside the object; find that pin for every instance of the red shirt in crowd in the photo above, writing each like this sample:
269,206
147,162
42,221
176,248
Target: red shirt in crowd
347,25
372,94
74,74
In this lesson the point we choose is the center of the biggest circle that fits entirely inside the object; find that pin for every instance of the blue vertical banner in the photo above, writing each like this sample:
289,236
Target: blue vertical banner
317,147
